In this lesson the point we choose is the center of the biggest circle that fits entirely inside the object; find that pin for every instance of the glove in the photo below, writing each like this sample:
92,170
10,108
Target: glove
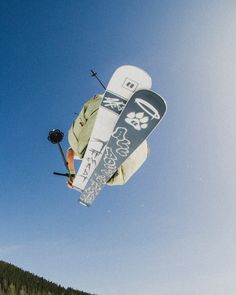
70,180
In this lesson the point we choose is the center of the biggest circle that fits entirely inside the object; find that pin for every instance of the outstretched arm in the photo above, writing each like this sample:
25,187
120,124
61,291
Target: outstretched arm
71,166
70,160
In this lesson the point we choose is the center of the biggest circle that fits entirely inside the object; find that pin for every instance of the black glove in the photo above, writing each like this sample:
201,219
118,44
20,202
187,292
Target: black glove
70,180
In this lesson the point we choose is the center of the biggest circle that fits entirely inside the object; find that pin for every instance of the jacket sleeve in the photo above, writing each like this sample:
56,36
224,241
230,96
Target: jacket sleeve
81,129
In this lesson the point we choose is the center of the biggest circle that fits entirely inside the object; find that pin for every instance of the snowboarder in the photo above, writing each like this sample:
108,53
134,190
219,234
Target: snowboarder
79,135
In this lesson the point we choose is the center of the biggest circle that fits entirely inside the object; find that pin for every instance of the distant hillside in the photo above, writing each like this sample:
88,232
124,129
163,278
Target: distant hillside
15,281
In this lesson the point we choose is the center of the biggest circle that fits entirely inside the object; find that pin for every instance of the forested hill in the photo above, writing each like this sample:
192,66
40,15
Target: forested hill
15,281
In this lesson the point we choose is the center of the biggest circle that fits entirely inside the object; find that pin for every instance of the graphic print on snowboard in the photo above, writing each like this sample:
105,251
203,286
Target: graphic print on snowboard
141,115
124,82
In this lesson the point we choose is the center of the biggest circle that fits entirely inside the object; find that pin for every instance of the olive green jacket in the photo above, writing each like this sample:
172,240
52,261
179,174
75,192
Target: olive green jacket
79,135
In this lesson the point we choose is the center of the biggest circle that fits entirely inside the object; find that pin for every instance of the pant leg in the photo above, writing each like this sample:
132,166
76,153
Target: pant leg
131,165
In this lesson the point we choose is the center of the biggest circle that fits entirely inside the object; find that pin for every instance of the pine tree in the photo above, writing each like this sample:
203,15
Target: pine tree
22,291
11,289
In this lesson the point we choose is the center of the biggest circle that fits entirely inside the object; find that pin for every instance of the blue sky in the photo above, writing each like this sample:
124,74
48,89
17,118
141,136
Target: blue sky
171,229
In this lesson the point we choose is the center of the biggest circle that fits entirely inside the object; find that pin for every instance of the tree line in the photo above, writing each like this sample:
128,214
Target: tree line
15,281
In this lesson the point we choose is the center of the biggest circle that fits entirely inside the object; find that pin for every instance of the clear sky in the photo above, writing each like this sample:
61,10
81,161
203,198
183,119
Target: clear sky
171,229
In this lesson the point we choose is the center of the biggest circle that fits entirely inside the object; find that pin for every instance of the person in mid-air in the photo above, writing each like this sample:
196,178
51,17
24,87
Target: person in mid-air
79,135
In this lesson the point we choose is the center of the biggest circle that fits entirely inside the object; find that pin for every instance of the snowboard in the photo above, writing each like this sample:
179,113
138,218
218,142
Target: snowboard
124,82
141,115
